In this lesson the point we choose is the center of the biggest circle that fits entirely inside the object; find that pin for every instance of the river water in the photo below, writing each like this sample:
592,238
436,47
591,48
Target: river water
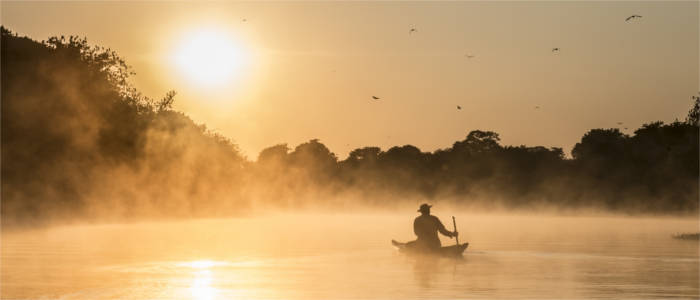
349,256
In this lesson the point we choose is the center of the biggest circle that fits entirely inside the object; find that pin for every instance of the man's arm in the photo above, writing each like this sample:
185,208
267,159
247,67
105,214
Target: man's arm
442,229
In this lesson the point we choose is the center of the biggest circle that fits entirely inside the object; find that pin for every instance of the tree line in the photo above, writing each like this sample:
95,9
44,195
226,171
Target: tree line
79,140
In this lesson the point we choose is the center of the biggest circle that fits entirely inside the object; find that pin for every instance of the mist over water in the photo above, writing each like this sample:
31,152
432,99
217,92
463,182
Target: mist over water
348,256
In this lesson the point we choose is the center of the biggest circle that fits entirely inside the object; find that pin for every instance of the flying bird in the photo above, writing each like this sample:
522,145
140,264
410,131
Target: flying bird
469,56
555,49
619,123
537,107
625,128
412,31
375,97
244,20
632,17
459,107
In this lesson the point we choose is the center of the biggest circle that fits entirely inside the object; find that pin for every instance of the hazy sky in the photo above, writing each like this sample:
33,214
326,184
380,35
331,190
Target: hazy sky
309,69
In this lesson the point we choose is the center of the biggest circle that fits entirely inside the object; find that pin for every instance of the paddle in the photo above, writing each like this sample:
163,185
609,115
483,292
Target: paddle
454,223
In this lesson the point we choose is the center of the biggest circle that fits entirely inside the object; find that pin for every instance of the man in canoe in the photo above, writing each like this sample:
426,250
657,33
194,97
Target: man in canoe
426,227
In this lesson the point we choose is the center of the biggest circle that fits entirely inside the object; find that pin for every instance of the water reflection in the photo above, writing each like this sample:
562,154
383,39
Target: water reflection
424,268
201,287
430,269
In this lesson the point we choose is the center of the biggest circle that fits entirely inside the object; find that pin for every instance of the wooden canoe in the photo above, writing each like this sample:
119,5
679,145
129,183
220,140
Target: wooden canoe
452,251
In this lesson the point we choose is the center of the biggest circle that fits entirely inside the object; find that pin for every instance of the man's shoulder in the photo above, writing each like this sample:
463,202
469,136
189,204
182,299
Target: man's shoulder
428,217
434,218
422,217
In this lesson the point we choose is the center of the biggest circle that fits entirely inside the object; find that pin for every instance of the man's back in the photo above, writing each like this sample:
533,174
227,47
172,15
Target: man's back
426,227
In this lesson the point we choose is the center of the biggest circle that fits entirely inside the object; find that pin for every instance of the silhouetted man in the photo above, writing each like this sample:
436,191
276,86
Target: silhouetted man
426,227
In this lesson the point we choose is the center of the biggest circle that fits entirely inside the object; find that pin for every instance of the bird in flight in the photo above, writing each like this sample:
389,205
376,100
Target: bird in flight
555,49
625,128
244,20
412,31
459,107
632,17
619,123
537,107
375,97
469,56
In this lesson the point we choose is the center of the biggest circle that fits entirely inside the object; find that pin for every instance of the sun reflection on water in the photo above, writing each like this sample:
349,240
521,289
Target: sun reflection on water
201,287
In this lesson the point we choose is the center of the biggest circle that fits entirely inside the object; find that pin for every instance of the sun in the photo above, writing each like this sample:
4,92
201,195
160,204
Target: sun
209,57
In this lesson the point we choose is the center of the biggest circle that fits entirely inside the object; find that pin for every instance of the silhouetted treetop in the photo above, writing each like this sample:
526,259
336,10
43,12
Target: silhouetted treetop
276,154
600,143
693,117
366,155
478,142
313,154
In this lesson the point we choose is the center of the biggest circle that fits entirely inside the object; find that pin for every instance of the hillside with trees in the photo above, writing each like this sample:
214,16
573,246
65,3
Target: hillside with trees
78,139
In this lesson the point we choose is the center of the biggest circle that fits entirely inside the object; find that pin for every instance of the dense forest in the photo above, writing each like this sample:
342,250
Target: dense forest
79,141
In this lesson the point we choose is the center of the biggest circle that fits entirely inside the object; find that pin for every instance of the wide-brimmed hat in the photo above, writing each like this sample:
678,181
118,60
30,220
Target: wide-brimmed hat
424,206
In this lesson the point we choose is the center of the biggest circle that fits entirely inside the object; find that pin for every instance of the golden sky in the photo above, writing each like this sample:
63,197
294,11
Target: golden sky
309,69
